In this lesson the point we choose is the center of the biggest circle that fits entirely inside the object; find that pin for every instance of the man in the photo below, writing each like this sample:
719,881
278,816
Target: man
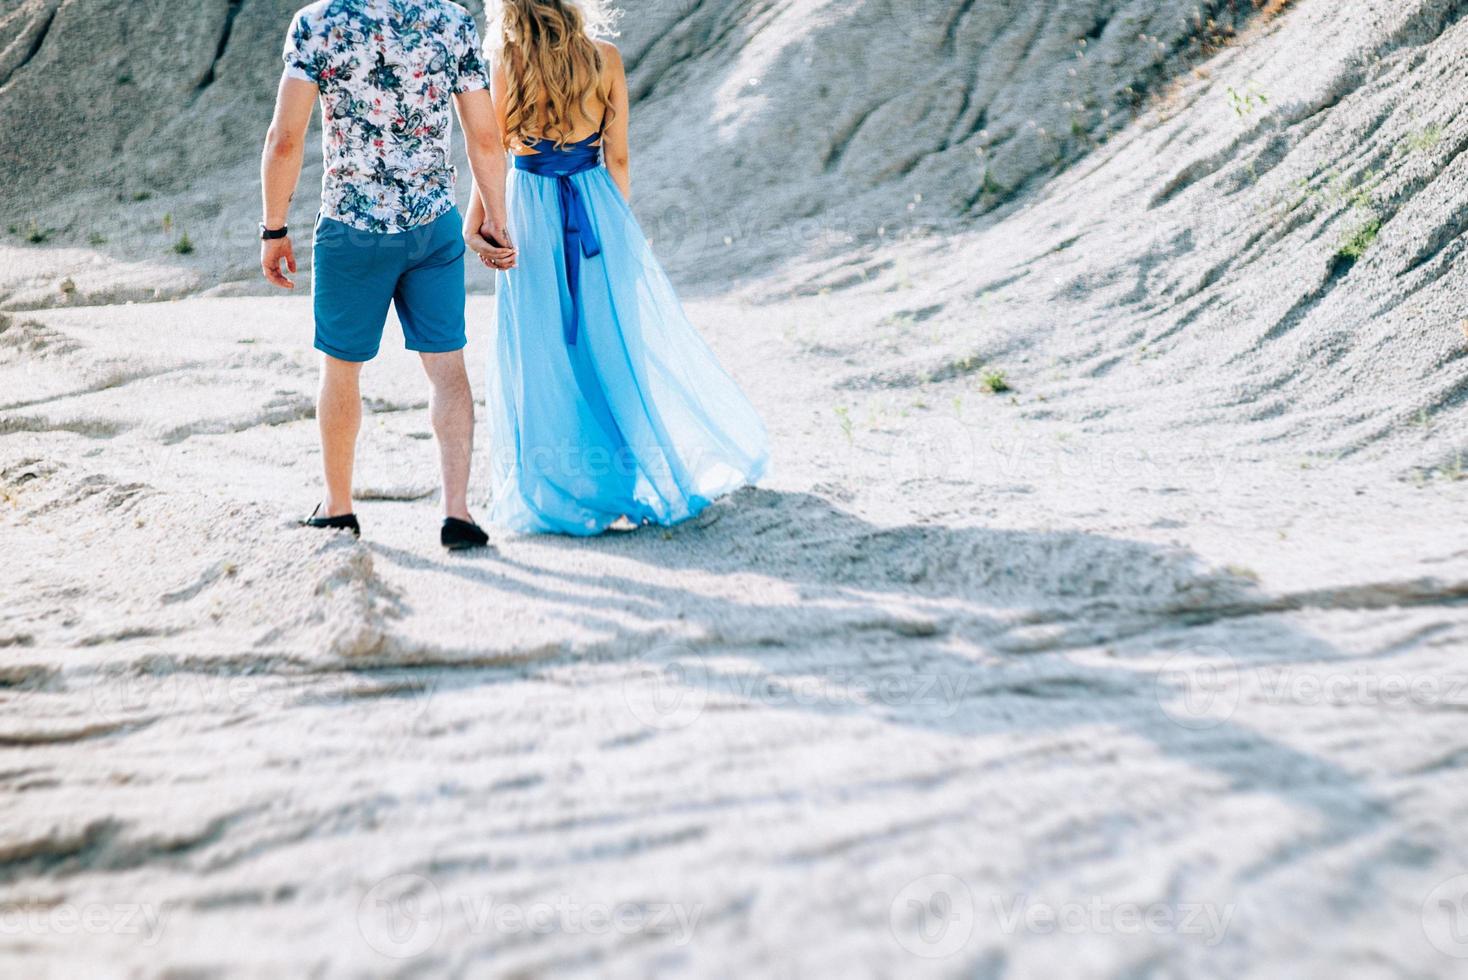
385,72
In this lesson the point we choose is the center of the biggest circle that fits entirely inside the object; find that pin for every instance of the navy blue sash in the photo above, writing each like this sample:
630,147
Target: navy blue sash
578,234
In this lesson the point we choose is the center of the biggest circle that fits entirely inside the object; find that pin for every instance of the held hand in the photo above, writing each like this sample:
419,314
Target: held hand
498,235
482,249
272,253
498,257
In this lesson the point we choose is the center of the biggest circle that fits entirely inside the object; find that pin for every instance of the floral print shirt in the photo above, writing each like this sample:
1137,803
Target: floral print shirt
387,70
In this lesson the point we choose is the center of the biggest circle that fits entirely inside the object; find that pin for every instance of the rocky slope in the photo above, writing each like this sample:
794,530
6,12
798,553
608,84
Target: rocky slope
760,116
1109,571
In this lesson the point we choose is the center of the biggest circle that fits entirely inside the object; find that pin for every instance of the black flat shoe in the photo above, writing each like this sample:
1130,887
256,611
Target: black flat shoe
346,522
458,535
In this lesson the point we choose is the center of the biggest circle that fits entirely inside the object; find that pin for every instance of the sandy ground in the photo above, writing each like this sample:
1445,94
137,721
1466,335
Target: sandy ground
1135,709
1151,666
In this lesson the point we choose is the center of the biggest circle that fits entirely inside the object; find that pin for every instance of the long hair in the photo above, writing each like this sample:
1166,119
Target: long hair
550,57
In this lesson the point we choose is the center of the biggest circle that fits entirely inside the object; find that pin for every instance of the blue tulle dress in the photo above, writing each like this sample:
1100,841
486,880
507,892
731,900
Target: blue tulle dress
604,402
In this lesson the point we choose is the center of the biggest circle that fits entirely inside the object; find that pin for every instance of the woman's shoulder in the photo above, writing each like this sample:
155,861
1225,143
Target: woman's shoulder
611,61
608,51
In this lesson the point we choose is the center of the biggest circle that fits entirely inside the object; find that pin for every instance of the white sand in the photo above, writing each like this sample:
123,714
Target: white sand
1152,666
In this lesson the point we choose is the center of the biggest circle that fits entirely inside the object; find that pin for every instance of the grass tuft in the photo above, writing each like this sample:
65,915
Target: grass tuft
1423,140
1356,243
1245,101
843,416
995,382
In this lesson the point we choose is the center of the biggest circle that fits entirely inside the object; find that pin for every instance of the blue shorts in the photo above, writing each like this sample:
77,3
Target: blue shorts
356,274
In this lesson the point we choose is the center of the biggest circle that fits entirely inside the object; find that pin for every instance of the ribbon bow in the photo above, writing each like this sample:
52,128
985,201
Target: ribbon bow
578,233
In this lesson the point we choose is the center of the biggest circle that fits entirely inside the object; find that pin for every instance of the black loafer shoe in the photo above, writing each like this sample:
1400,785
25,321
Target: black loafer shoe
458,535
346,522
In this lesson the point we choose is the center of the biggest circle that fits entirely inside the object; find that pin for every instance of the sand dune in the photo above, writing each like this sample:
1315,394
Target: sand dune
1150,663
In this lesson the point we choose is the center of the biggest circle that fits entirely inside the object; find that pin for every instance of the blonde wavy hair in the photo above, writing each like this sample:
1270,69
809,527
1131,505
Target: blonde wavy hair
549,53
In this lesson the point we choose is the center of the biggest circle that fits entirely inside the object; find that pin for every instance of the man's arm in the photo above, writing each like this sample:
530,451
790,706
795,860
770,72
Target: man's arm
280,171
487,160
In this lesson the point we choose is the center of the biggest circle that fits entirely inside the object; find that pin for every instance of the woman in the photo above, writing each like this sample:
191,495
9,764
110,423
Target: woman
605,405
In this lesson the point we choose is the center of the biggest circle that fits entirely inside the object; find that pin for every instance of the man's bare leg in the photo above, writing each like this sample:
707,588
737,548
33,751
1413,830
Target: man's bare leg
339,414
452,409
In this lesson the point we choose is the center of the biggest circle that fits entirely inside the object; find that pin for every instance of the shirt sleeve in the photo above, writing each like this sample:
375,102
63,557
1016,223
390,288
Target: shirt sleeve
470,73
305,51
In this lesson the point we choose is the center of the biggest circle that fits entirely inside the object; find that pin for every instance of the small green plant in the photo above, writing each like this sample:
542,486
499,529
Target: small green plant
1359,195
1423,140
167,223
1360,238
143,196
1245,102
96,238
843,416
995,382
184,246
35,234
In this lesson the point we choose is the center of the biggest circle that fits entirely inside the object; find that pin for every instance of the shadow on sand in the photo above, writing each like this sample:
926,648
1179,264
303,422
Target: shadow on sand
965,631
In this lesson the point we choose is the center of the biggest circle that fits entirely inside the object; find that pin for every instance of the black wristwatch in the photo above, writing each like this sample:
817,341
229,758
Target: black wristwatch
269,235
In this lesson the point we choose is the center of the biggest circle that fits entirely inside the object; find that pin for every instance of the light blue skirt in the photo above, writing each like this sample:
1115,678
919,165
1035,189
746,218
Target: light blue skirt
603,402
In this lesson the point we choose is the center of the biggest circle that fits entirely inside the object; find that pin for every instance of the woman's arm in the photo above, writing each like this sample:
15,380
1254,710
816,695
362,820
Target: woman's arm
614,137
